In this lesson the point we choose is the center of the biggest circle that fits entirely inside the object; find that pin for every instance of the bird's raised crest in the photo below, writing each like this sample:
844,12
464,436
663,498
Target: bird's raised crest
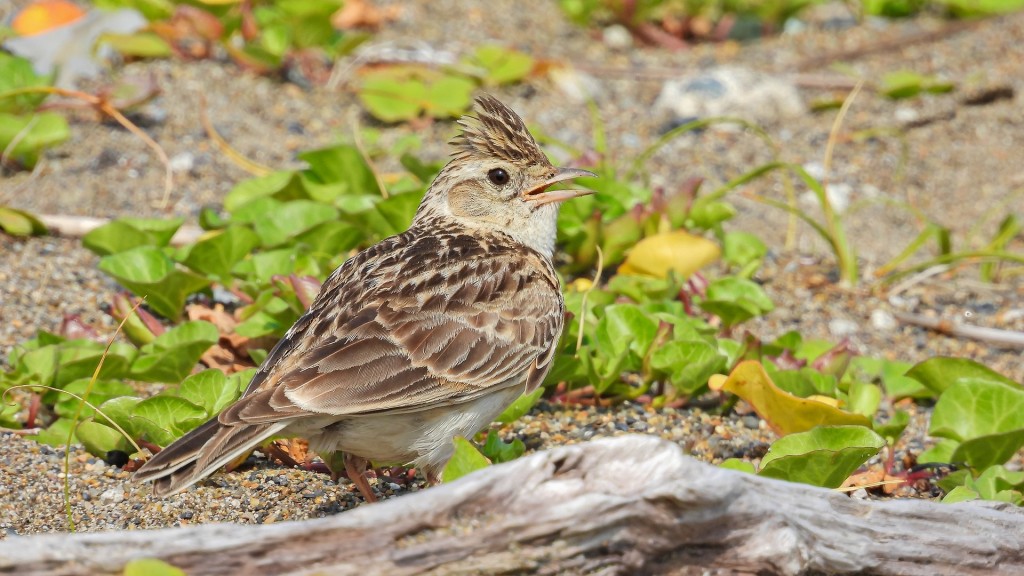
495,132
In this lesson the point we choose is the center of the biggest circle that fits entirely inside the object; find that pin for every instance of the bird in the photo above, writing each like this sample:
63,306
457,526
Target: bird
427,335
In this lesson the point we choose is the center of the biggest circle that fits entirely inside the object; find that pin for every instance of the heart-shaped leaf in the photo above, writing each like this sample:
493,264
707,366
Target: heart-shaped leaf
824,456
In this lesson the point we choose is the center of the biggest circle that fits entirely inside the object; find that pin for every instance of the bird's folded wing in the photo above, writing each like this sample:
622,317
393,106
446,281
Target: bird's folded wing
412,349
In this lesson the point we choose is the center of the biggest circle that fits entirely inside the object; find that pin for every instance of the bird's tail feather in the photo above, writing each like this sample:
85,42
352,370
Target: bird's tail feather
201,452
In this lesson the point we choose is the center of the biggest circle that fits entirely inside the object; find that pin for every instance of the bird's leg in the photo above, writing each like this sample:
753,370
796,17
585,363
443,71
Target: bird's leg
355,468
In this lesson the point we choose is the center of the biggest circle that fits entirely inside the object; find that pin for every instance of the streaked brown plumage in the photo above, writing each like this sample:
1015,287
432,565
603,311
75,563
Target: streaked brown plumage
427,335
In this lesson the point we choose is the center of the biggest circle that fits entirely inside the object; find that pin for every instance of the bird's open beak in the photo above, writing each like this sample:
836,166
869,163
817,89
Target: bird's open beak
539,195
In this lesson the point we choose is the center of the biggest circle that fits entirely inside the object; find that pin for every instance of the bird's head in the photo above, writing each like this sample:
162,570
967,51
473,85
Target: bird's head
498,180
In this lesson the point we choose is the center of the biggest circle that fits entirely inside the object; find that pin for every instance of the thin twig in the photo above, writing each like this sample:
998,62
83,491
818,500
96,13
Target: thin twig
9,149
78,226
358,141
994,336
250,166
917,279
833,134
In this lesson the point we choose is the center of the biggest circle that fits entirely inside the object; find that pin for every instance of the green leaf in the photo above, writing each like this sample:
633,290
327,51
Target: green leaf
520,407
449,97
972,408
893,376
20,223
941,452
689,363
392,100
391,216
139,44
100,439
905,84
291,219
736,300
824,456
210,390
743,248
976,8
894,428
501,65
466,459
625,329
119,410
56,434
960,494
217,253
101,391
77,359
739,465
342,166
16,73
864,398
989,450
939,373
22,138
281,185
986,417
153,10
173,355
707,214
151,567
804,382
997,479
497,451
150,273
331,238
164,419
127,233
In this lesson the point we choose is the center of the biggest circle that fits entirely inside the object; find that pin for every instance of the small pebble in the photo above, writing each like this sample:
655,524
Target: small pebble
883,320
840,327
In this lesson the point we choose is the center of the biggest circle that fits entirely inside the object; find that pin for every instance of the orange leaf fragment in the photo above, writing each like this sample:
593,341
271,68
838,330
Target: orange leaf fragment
45,15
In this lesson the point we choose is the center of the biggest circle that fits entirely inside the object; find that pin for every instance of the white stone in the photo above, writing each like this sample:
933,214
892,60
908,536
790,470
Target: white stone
842,327
112,495
617,37
883,320
183,162
731,91
905,114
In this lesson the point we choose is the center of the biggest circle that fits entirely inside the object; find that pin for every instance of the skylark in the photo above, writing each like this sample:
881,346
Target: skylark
425,336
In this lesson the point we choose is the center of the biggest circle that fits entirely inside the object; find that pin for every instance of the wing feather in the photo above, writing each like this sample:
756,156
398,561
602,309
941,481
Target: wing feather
405,338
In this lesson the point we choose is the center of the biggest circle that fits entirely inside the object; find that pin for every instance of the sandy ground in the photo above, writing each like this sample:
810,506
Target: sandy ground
963,167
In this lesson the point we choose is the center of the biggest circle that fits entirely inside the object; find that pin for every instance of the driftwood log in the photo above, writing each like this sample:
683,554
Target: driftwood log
628,505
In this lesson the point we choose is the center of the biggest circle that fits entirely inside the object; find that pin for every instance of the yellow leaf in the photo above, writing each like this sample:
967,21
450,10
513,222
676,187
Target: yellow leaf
581,284
677,250
784,412
833,402
45,15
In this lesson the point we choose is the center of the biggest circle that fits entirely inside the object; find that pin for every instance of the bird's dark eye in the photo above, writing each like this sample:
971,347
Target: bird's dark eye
497,176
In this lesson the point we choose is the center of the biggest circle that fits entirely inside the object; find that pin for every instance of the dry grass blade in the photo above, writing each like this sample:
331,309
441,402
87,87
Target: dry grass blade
357,139
250,166
593,285
993,336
